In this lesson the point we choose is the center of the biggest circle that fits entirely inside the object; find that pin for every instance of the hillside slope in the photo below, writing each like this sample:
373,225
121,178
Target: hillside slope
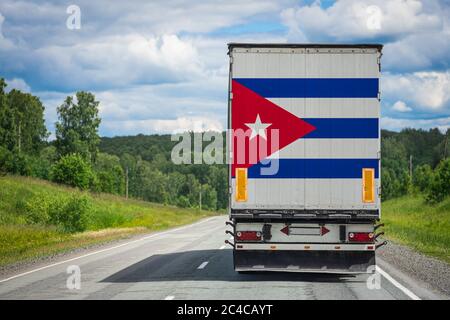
39,218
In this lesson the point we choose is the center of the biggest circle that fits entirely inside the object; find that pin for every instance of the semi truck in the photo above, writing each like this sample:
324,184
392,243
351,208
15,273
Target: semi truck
304,157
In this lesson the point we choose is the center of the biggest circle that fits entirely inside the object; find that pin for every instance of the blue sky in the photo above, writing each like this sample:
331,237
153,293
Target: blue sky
160,66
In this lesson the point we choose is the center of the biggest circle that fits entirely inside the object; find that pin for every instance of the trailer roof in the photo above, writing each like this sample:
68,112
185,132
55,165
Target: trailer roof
304,45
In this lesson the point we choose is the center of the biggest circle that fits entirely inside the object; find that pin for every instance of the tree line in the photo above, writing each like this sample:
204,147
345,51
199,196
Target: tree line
415,161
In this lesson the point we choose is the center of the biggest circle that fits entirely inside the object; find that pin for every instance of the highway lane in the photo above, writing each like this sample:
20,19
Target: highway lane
190,262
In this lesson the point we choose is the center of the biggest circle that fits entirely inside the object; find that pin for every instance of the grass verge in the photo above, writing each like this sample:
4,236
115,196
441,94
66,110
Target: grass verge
110,217
410,221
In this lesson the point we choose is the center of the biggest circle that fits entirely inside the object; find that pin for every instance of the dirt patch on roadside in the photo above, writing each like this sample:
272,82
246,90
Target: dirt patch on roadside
109,232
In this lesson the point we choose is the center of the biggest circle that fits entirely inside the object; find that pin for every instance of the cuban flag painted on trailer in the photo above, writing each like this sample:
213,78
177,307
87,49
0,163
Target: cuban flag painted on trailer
316,112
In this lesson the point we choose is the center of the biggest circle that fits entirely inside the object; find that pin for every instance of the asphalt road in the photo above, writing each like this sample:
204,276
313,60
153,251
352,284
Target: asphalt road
190,262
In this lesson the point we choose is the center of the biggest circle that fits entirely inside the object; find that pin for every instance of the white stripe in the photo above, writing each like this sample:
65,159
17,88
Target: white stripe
276,193
304,247
203,265
329,149
397,284
330,107
222,247
104,250
323,65
169,298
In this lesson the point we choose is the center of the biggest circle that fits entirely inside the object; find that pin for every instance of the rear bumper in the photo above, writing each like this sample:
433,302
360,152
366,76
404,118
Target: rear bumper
304,261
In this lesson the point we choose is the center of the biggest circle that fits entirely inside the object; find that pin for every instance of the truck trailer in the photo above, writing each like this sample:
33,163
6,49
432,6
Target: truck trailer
304,157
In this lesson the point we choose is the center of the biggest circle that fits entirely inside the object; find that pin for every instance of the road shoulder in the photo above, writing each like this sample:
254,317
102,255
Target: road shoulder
428,277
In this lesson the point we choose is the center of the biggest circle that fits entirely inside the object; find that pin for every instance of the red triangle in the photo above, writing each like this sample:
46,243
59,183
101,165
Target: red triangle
246,106
285,230
323,230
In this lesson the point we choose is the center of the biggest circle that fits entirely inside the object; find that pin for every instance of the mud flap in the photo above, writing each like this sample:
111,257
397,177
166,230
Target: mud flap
304,261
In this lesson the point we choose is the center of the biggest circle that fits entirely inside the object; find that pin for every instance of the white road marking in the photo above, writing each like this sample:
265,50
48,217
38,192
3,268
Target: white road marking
203,265
222,247
103,250
169,298
397,284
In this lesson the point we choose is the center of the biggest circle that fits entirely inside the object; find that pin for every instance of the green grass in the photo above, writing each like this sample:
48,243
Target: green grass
410,221
110,217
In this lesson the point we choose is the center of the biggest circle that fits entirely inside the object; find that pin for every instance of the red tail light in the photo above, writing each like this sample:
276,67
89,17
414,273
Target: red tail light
360,236
248,235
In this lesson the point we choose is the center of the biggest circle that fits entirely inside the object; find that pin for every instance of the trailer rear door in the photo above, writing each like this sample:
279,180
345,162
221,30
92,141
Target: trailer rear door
325,104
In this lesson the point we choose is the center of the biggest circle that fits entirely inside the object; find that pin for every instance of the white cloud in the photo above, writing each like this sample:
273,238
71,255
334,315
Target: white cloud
416,34
198,16
178,125
400,106
5,43
396,124
356,19
154,105
118,60
163,64
418,52
146,76
428,91
165,100
120,45
40,23
165,107
17,83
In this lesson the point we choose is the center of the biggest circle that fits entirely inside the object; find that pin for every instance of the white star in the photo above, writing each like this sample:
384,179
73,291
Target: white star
258,128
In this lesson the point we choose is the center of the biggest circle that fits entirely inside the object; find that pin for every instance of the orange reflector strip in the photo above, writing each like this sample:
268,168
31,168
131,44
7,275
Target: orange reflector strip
241,184
368,180
369,247
337,247
307,247
273,247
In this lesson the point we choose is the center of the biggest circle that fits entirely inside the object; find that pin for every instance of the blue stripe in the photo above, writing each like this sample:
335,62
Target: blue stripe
316,168
312,88
343,128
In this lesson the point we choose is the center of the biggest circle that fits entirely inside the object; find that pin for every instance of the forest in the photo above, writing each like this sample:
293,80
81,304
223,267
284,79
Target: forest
140,167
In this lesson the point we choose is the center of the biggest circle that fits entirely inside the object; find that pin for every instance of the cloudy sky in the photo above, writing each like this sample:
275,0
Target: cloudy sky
158,66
